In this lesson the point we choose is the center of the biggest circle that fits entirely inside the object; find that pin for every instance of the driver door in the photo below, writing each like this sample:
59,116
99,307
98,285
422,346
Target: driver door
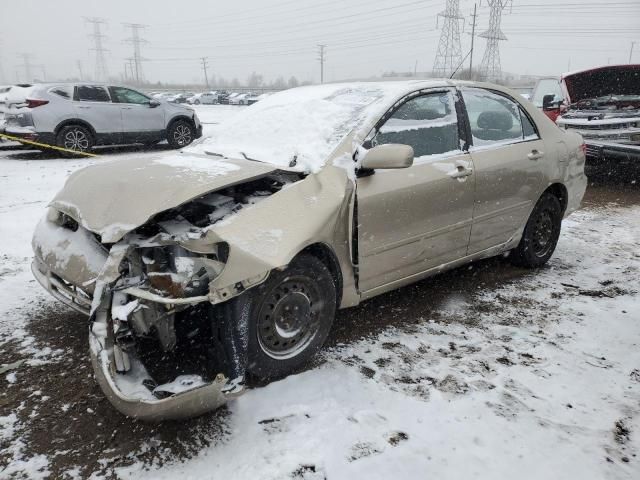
414,219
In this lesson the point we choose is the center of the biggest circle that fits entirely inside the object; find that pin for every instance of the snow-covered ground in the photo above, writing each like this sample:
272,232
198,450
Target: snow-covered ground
485,372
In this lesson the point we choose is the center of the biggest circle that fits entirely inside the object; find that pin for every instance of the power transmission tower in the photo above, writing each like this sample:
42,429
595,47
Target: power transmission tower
449,55
101,73
27,66
473,37
490,68
79,64
204,67
136,41
322,56
630,53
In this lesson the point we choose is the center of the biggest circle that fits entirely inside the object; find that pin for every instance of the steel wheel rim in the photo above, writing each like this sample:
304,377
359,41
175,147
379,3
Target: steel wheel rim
288,320
77,140
543,233
182,135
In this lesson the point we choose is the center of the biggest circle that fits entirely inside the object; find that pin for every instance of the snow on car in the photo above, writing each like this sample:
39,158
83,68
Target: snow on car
237,252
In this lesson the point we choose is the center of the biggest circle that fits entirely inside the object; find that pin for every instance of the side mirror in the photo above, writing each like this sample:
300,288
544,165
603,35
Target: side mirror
388,156
153,103
547,101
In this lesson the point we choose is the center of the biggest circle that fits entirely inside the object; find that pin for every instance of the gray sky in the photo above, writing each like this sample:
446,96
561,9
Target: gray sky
279,37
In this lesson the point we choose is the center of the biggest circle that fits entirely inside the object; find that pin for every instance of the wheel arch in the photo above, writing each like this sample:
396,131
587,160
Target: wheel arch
328,257
75,121
181,116
560,192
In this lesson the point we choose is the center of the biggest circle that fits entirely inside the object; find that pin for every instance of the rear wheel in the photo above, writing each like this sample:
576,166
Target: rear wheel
197,102
541,233
74,138
180,134
290,316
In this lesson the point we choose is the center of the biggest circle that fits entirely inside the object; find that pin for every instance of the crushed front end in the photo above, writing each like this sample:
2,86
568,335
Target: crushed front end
158,345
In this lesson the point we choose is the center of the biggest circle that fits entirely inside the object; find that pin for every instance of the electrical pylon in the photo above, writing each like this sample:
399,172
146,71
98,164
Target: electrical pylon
136,41
101,73
449,55
490,68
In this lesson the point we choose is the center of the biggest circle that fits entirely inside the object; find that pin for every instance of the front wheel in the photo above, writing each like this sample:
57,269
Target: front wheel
290,316
540,235
180,134
74,138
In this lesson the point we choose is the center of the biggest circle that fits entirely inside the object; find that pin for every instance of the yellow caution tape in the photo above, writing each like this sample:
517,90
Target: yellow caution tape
46,145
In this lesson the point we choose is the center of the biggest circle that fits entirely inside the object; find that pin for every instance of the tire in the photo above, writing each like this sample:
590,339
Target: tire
197,102
180,134
74,137
540,235
274,348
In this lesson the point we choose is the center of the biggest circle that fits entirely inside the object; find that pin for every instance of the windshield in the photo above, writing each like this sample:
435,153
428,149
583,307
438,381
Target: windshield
301,126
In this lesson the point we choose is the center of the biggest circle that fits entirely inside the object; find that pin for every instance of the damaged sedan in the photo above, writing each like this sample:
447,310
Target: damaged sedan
207,270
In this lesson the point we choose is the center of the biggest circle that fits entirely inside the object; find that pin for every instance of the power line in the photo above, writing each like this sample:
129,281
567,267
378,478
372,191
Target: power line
321,58
101,73
136,41
449,53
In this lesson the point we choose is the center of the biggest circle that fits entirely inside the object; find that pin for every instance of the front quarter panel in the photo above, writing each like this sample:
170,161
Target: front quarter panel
270,234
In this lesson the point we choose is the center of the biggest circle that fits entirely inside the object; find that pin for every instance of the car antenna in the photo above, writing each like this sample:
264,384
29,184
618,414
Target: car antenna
458,67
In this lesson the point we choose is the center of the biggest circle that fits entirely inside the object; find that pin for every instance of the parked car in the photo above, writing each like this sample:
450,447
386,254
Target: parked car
223,97
251,99
239,99
233,256
179,97
206,98
603,105
80,116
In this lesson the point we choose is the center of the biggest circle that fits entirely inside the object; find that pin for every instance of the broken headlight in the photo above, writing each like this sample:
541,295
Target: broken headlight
177,272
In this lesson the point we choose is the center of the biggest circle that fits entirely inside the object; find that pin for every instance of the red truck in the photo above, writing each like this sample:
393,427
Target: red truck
602,104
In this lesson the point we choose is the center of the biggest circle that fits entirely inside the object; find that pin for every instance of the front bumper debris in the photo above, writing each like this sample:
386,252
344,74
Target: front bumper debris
128,391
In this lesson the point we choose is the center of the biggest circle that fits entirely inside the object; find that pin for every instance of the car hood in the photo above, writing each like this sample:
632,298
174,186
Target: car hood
115,197
603,81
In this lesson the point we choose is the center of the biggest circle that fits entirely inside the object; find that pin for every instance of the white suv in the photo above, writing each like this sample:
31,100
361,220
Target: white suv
81,116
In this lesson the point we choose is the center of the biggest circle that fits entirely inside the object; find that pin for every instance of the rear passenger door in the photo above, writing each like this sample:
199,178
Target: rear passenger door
506,151
92,104
140,121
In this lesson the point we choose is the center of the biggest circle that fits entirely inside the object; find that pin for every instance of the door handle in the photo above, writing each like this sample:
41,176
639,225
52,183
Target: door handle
535,155
461,172
127,108
84,106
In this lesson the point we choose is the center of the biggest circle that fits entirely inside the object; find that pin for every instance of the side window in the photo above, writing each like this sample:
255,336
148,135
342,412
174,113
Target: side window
126,95
546,86
428,123
90,93
494,119
61,92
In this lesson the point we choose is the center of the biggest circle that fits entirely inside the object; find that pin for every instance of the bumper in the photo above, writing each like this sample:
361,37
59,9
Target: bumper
600,151
199,131
126,390
66,293
29,134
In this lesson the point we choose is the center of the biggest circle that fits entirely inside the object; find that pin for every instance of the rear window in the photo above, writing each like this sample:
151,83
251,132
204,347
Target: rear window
90,93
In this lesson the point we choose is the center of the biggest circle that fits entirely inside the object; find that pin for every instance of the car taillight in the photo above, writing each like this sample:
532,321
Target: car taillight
32,103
